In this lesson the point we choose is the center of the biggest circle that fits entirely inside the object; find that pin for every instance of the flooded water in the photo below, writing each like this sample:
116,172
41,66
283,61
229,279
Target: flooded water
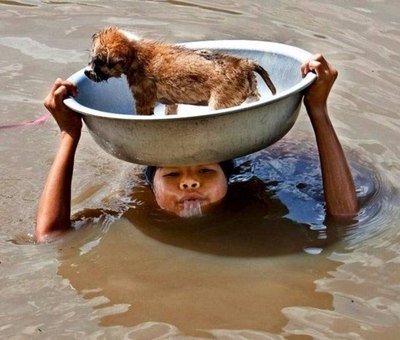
130,271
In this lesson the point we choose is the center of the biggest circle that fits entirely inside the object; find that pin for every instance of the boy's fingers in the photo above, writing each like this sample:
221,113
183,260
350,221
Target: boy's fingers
70,87
304,69
60,93
315,63
312,66
318,57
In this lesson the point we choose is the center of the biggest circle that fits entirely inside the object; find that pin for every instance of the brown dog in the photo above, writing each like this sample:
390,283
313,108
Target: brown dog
160,72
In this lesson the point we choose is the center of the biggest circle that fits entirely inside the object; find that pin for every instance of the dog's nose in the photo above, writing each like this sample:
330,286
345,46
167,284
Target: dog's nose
88,72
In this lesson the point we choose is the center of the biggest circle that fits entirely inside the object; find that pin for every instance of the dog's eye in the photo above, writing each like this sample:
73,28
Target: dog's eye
99,62
111,64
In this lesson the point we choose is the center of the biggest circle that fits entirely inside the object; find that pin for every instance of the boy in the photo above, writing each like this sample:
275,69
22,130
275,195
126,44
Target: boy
202,186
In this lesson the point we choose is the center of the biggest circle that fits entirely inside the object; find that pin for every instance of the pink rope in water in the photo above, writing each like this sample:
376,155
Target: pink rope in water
42,119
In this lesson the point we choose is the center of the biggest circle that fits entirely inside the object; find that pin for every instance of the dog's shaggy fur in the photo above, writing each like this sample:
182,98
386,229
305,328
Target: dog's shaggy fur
170,74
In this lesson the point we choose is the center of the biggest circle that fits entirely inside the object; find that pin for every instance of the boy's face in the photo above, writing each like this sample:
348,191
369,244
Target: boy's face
176,188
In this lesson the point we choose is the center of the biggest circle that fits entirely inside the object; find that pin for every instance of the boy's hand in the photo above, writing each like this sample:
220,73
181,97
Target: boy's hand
68,121
317,94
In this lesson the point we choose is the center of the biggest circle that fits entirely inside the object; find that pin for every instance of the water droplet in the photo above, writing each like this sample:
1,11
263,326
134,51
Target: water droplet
313,250
191,208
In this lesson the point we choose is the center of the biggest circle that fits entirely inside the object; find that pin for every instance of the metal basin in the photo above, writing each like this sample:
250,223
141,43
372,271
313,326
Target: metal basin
196,135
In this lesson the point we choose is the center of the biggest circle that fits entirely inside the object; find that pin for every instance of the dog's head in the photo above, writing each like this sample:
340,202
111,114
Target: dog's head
110,56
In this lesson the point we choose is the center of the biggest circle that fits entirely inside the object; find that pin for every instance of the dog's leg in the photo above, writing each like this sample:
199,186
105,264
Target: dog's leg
145,109
253,93
144,106
145,98
220,101
171,109
253,96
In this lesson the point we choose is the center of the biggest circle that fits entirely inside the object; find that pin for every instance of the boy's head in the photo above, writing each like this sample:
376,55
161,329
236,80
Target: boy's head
176,188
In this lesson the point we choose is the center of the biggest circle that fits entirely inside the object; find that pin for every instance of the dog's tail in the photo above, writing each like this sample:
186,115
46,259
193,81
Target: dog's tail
265,76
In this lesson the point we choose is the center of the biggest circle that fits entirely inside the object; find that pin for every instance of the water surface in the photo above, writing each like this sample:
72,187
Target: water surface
134,272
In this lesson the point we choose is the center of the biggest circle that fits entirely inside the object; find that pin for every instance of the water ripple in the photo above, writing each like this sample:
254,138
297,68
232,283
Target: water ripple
39,51
16,3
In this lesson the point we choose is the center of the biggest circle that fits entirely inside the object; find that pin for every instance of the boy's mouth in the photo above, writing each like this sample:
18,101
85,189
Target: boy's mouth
192,197
191,206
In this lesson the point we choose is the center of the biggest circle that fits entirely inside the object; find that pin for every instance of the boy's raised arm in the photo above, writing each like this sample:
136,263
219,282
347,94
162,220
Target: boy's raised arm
53,216
339,189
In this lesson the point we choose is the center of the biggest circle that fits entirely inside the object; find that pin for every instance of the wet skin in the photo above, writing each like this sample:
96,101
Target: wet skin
176,188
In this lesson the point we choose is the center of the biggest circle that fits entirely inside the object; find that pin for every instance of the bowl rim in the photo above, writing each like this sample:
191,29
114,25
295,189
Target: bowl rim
250,45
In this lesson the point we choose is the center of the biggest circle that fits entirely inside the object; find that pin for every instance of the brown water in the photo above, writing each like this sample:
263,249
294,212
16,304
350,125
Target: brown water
138,274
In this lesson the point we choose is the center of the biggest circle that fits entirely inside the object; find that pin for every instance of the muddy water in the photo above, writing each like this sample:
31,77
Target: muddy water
132,272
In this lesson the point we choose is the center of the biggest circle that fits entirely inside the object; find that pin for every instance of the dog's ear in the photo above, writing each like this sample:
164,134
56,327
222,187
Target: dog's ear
95,35
120,60
108,60
114,60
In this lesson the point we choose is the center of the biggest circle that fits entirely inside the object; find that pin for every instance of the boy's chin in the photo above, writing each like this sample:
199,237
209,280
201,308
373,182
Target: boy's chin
201,210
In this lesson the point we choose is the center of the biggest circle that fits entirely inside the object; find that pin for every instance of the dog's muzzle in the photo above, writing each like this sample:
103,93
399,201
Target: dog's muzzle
95,74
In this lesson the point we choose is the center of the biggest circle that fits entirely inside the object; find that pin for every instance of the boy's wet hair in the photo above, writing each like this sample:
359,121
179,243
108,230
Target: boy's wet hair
226,166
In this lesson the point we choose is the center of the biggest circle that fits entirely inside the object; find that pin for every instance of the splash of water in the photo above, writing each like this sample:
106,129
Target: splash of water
191,208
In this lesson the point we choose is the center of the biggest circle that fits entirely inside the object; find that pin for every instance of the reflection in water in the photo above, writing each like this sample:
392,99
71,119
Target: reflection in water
142,279
213,272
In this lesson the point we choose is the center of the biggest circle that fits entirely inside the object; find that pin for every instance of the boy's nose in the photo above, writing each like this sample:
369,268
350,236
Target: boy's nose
189,183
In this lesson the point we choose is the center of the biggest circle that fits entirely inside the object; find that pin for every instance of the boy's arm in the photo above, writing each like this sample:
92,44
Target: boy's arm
53,216
339,190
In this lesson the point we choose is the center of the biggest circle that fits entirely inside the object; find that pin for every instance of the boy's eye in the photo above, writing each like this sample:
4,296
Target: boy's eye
206,171
171,174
